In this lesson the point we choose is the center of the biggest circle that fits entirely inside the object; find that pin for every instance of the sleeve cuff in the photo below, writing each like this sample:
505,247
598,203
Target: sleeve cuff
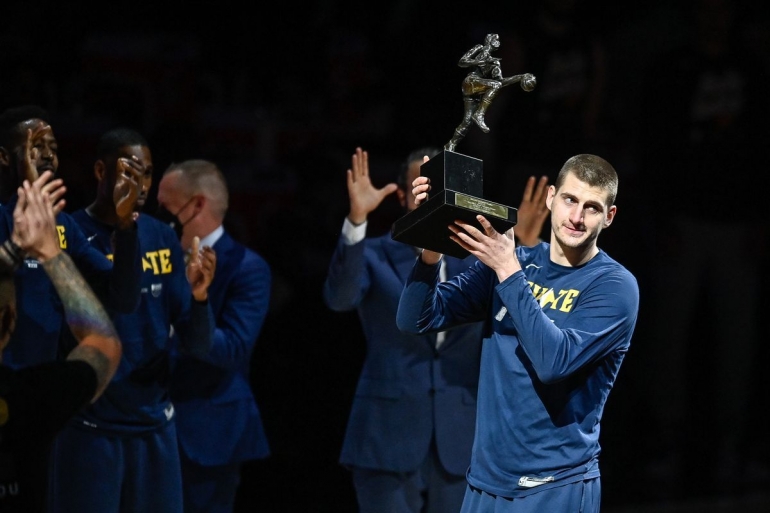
352,234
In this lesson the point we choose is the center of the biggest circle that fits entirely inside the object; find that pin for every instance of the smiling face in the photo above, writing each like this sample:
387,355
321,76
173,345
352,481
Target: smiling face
579,212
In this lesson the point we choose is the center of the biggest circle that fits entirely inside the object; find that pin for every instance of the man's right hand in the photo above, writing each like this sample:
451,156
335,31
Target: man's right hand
420,189
200,269
364,197
126,192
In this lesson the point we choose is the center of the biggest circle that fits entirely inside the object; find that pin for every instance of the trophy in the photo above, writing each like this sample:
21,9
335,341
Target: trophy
456,180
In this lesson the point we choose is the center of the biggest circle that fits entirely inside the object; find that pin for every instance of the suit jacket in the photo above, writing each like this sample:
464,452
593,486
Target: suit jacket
218,421
408,392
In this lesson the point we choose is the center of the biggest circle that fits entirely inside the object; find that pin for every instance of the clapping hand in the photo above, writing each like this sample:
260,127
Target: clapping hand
200,269
34,219
532,212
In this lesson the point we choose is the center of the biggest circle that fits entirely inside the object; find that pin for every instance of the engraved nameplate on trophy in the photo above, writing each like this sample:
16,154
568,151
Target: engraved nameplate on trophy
456,185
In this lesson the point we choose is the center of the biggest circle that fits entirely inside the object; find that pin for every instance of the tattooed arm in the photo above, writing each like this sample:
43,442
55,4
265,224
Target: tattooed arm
35,232
98,343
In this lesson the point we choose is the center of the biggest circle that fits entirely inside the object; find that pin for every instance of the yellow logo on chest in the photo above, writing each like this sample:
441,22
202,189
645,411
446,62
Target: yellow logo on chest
159,262
563,301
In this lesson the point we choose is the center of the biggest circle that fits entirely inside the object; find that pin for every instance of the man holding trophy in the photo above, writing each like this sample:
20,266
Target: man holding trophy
559,318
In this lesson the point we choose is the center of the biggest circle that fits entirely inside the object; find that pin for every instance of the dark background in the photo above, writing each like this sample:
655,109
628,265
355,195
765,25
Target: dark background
280,95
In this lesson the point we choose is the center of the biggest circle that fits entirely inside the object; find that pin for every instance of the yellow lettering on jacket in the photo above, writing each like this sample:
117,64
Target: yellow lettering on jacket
566,305
158,261
564,301
62,237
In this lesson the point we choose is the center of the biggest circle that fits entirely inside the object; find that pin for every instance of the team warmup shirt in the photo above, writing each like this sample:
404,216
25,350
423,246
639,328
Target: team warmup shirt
40,322
137,397
554,341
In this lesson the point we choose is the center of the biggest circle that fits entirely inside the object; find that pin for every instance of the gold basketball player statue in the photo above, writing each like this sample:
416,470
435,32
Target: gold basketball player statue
482,84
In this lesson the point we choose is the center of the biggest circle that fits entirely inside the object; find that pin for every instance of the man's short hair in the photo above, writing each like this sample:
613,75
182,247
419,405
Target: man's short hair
414,156
10,119
203,177
112,140
593,170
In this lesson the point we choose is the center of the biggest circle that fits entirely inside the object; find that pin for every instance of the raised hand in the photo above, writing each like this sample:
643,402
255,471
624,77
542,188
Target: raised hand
54,189
200,269
532,212
34,219
29,150
364,196
128,182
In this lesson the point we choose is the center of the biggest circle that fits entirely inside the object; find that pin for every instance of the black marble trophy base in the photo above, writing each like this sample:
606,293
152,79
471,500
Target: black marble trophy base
456,188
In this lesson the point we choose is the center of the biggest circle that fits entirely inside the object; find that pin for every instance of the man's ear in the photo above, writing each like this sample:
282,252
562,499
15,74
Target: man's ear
550,196
610,215
401,194
99,170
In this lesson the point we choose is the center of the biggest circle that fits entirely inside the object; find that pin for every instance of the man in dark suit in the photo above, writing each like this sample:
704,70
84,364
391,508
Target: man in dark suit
410,430
218,423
